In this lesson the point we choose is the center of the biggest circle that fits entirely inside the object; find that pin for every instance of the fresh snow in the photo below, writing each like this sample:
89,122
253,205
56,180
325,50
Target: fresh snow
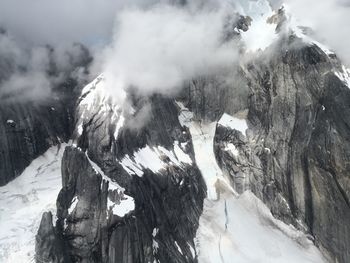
73,204
126,203
155,232
260,34
152,158
180,154
95,98
178,247
185,116
130,166
22,203
148,158
193,252
344,76
155,246
125,206
232,148
233,123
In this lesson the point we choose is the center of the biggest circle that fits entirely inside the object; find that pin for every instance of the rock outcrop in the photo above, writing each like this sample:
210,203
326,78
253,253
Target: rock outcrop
168,200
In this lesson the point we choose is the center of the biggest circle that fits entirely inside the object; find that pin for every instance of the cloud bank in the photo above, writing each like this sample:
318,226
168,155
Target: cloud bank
31,73
157,49
329,20
149,45
41,36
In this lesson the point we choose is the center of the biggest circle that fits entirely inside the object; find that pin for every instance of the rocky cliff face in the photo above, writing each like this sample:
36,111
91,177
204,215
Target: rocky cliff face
27,131
294,157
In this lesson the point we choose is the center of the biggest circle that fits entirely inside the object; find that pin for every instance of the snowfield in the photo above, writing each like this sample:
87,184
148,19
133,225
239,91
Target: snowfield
23,201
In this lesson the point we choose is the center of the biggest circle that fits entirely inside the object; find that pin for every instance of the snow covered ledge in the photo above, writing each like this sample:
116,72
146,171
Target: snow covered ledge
233,123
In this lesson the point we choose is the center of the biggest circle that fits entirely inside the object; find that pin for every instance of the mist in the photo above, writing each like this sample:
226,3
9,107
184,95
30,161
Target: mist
30,73
42,36
329,20
151,46
157,49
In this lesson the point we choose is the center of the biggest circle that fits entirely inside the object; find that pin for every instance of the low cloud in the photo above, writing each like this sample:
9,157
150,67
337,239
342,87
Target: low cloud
329,19
30,73
156,49
38,39
152,46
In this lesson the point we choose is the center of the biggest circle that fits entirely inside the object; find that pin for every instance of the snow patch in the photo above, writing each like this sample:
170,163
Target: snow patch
185,116
145,158
180,154
193,252
155,247
344,76
148,158
233,123
152,158
155,232
119,125
10,121
73,204
260,34
95,98
232,148
126,203
130,166
80,129
178,247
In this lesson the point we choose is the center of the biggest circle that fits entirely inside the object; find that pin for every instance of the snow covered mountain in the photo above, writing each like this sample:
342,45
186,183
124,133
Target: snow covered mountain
251,169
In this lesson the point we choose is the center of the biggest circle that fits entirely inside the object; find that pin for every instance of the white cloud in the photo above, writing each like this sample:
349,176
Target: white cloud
157,49
153,45
329,19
